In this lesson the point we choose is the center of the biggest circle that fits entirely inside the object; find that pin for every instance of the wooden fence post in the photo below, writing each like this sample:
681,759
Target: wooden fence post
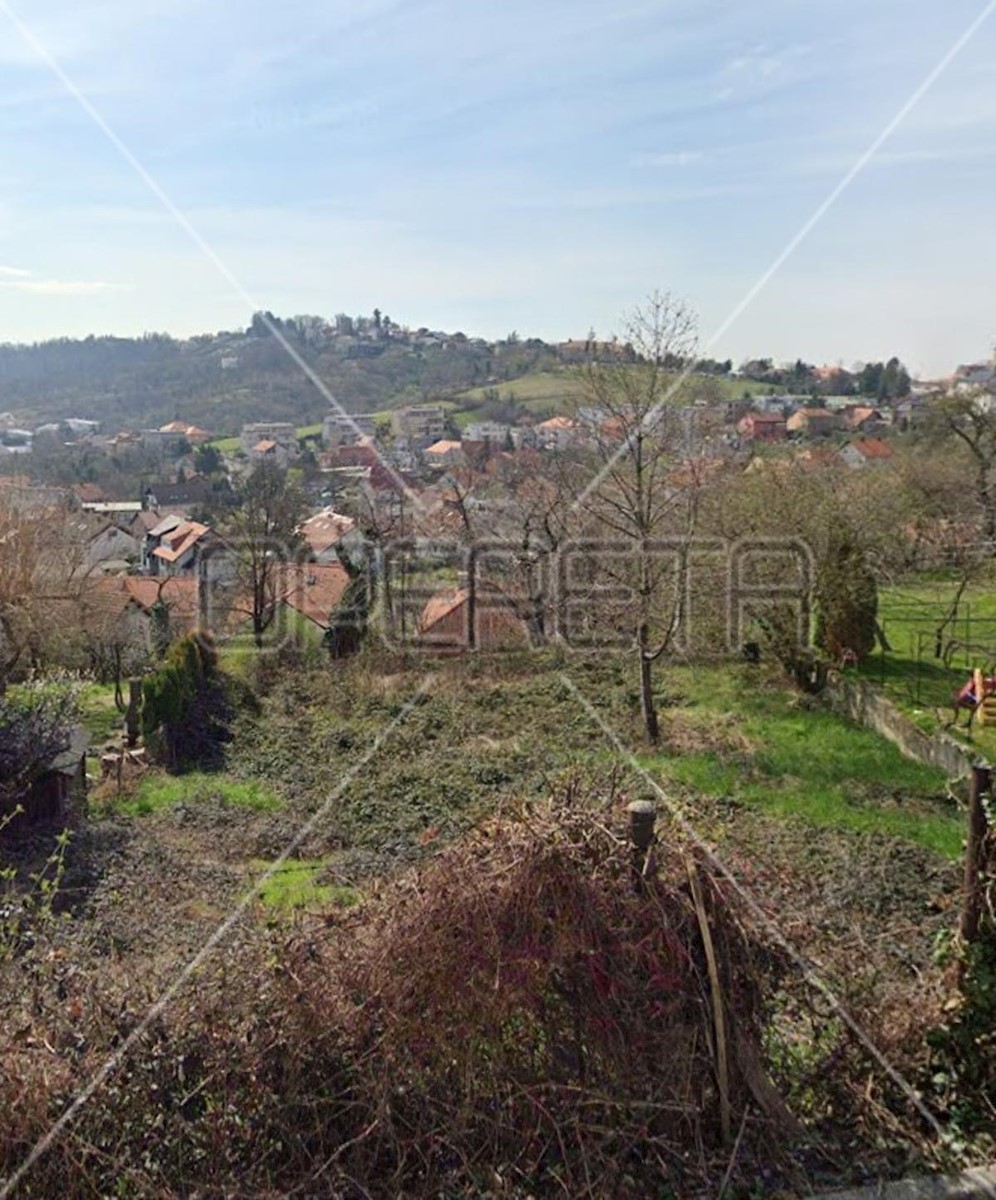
971,901
642,816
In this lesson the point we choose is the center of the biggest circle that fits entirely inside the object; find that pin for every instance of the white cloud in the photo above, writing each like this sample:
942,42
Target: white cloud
13,272
59,287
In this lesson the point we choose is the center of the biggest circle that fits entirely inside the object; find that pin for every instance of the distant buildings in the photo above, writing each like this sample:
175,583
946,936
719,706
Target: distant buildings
813,422
444,453
762,427
342,429
420,425
488,431
865,452
269,441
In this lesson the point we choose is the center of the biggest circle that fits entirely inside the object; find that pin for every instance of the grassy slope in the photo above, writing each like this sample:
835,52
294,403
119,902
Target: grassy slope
732,736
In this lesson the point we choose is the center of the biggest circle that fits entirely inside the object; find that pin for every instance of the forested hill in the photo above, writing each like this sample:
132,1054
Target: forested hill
219,381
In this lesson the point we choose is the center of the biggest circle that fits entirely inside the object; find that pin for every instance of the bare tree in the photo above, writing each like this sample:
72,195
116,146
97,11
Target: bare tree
636,426
263,537
971,418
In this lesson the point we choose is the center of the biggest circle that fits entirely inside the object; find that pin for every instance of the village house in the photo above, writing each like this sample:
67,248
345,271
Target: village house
763,427
444,453
444,624
420,425
329,535
557,433
313,591
865,452
343,429
256,438
174,546
862,418
813,422
125,609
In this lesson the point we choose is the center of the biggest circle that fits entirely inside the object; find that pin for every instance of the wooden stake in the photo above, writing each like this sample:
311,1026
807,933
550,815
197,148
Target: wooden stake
979,783
718,1015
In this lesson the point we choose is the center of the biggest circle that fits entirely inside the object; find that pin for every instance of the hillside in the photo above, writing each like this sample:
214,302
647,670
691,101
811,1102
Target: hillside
222,380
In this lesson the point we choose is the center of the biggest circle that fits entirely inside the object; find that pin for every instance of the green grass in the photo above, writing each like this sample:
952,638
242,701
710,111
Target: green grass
100,715
295,885
157,792
910,674
805,762
226,445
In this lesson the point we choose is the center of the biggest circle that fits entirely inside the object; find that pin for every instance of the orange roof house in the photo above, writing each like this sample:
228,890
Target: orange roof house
325,532
444,625
863,452
314,590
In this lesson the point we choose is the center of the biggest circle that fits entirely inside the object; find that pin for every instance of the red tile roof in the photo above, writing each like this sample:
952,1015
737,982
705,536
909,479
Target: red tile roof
325,529
178,541
314,589
872,448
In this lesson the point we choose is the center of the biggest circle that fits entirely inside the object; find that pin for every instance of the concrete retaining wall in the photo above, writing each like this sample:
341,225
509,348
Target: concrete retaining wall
863,703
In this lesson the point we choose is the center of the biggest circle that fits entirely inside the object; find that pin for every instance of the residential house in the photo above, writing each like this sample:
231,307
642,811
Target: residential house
312,591
444,453
813,422
763,427
192,433
557,433
444,624
357,454
281,432
909,412
488,431
174,546
343,429
420,425
270,452
328,535
192,492
863,418
127,608
865,452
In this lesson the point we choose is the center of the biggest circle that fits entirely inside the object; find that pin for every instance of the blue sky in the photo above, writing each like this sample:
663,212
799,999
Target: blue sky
533,166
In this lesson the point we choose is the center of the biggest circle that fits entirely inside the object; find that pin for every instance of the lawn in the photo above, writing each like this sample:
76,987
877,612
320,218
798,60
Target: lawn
99,712
912,674
155,792
297,884
747,739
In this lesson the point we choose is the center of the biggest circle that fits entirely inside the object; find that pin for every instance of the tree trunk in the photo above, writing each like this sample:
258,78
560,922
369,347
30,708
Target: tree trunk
650,721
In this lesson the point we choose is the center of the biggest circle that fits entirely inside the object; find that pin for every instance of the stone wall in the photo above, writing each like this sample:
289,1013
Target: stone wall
864,704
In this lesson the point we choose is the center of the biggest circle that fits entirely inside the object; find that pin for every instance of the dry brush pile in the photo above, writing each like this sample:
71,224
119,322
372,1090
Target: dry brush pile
515,1017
